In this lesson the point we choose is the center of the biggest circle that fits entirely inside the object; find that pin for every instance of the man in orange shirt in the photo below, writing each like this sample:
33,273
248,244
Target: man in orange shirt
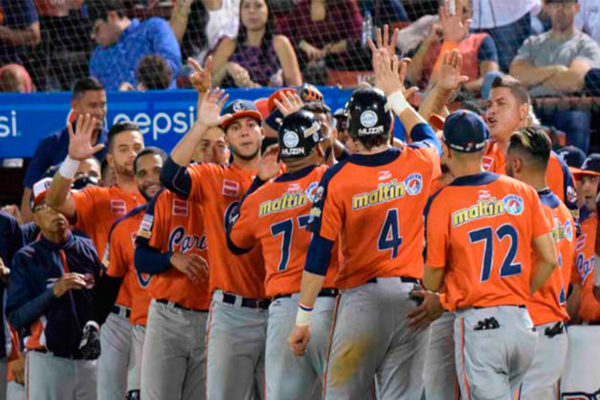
366,199
275,217
237,322
481,231
527,158
93,210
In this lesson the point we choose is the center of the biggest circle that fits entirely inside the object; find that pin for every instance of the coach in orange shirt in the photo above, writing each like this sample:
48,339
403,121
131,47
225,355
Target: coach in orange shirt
93,210
481,231
527,158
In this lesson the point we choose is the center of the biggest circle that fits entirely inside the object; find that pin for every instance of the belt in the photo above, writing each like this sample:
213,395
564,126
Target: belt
246,302
403,279
46,351
506,305
177,305
328,292
121,311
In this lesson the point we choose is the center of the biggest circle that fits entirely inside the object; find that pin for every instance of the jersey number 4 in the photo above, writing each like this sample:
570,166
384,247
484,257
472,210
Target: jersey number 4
389,237
286,228
486,235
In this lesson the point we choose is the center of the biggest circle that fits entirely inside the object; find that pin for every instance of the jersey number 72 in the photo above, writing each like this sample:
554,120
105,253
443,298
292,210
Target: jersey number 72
486,235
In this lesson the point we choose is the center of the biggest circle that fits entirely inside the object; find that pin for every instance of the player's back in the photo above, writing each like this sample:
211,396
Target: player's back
276,215
219,189
173,224
584,266
484,226
376,202
548,304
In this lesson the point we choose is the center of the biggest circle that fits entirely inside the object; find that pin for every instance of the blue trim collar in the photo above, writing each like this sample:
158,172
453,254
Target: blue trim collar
292,176
482,178
375,160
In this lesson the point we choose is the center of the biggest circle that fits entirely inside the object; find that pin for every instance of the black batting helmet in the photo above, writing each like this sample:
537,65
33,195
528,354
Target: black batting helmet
368,116
299,133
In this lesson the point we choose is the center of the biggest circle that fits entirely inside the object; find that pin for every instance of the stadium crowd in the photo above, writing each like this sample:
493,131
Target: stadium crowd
106,258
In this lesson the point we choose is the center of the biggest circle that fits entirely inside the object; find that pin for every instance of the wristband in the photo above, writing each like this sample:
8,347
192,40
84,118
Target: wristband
68,168
303,315
397,102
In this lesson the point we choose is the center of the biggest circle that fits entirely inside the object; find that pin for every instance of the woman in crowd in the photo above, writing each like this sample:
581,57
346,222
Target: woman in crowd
257,57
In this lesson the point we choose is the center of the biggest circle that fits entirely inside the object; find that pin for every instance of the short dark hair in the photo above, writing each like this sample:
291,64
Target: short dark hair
153,72
149,150
99,9
120,128
533,143
514,85
84,85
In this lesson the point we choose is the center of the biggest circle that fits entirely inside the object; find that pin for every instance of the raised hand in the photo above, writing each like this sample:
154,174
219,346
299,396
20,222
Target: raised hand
384,42
269,166
290,103
449,77
453,26
80,143
390,73
210,108
201,79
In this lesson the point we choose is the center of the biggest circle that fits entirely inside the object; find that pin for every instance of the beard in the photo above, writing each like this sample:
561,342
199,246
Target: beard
123,170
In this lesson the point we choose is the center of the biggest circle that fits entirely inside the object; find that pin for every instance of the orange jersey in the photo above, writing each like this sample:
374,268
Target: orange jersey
173,224
219,189
276,215
480,228
558,176
583,268
99,207
548,304
375,202
118,260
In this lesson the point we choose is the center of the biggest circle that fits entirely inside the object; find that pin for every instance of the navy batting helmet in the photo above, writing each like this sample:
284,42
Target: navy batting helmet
299,133
367,112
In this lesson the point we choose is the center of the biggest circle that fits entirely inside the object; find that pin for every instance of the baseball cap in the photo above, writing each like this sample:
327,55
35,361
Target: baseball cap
573,156
368,114
274,119
239,109
591,166
39,191
277,96
465,131
261,105
299,134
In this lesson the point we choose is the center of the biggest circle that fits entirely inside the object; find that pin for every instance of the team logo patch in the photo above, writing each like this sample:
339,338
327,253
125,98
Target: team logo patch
413,184
294,187
238,106
368,119
580,242
483,194
571,195
488,162
180,208
569,231
118,207
384,175
105,258
290,139
311,191
513,204
145,230
231,188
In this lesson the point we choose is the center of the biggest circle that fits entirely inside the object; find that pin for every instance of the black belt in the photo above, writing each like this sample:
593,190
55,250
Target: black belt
403,279
72,357
246,302
177,305
120,311
330,292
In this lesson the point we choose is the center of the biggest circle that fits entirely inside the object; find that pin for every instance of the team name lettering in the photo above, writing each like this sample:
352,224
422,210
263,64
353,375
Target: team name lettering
385,192
288,201
584,267
185,242
511,204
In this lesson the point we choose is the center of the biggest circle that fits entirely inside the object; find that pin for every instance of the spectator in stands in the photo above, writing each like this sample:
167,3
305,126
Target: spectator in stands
88,97
19,29
507,22
122,43
323,30
199,25
588,18
257,57
556,62
15,78
152,73
478,50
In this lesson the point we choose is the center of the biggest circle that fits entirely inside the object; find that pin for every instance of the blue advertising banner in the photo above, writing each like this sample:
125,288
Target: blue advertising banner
163,116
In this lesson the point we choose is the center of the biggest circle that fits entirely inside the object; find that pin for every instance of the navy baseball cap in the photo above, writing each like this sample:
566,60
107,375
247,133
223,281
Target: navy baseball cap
573,156
239,109
299,134
591,166
465,132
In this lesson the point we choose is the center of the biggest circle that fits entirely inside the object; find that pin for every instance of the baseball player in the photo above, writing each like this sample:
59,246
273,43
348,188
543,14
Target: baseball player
15,389
480,232
237,322
171,245
118,261
526,160
381,246
582,304
50,291
276,216
94,210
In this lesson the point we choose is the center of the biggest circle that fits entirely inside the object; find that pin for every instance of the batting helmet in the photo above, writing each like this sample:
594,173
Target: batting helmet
298,135
368,116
